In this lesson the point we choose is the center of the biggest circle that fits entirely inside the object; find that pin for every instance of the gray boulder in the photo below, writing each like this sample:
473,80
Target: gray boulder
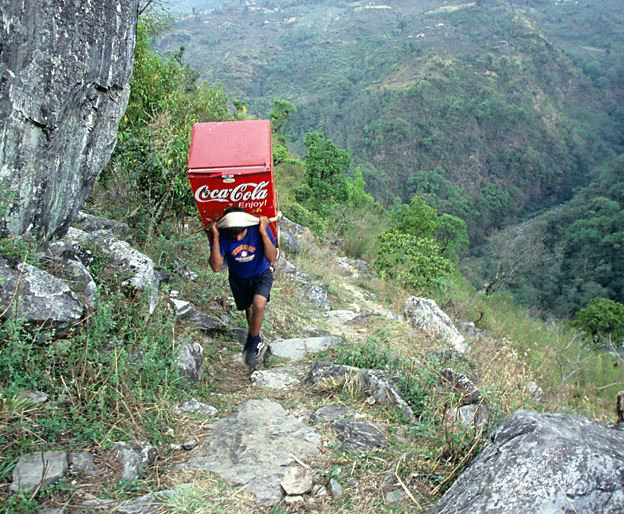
65,70
374,382
256,446
359,435
38,297
68,264
354,267
543,463
196,407
125,258
191,361
134,458
425,315
38,469
188,313
298,348
292,235
288,240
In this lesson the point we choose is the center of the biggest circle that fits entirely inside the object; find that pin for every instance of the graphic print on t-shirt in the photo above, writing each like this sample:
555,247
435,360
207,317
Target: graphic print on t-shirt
247,253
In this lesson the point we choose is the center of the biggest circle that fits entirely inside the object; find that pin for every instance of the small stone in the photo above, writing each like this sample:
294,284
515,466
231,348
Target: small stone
333,412
83,462
359,435
175,447
319,490
425,315
534,390
299,348
195,406
293,499
335,489
38,469
352,482
461,384
297,481
191,361
145,504
371,400
275,378
389,482
134,458
190,444
35,396
395,496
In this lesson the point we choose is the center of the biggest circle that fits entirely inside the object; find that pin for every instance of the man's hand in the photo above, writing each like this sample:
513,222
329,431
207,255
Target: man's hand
264,223
214,230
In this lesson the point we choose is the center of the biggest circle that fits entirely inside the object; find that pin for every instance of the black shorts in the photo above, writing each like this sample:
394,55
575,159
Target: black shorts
244,289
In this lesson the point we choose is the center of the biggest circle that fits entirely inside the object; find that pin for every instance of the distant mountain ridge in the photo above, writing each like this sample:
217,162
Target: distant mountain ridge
472,103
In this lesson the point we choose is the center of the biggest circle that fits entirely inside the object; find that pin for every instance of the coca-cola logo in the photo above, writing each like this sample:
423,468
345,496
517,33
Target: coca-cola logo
241,193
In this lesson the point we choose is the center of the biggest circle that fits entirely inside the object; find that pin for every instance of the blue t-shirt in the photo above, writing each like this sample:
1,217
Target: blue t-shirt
246,257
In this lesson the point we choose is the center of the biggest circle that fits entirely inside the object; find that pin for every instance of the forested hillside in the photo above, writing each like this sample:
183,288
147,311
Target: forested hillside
473,104
492,111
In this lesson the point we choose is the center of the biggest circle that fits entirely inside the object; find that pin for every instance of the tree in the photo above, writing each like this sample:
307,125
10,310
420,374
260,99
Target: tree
514,251
416,218
325,170
280,113
421,220
415,262
602,319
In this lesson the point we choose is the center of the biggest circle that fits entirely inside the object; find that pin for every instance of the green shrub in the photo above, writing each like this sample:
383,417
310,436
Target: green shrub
414,262
602,318
299,214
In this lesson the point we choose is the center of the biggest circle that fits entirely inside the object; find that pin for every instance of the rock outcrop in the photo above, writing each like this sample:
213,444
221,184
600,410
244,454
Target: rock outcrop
41,299
374,382
254,446
543,463
64,74
298,348
425,315
123,257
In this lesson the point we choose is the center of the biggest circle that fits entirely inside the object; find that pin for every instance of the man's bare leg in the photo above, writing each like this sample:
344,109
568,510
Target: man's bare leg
255,315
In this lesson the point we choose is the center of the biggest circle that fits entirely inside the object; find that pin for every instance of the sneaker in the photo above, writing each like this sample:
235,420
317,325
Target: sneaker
251,359
263,352
250,353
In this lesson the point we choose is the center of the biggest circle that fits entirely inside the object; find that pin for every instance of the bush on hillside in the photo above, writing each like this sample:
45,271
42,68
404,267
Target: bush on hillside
415,262
602,318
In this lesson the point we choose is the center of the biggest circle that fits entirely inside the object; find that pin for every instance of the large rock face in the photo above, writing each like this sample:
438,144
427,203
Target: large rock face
64,73
543,463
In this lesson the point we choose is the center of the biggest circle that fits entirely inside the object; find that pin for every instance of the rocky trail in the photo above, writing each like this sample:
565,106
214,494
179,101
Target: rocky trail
303,433
272,444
